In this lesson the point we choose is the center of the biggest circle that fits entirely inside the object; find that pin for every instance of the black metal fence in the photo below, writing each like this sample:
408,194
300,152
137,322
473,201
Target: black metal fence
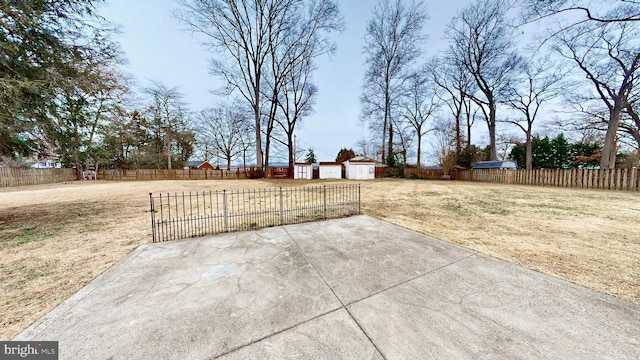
184,215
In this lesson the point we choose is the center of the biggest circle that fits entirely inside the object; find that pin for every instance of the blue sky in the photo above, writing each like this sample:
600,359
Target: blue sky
158,48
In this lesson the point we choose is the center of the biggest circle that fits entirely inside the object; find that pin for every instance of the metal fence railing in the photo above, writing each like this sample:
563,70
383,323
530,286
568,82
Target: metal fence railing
184,215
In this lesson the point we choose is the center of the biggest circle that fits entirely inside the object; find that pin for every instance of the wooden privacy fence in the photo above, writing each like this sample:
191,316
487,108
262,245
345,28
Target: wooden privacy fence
173,174
20,176
430,174
607,179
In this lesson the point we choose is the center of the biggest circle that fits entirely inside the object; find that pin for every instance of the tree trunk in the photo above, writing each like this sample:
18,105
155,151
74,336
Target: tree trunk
169,148
384,135
468,111
291,152
267,145
390,151
244,159
492,131
79,171
256,114
419,148
458,139
608,160
529,151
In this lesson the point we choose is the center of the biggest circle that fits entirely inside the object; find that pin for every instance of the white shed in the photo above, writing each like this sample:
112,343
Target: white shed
330,170
364,169
303,171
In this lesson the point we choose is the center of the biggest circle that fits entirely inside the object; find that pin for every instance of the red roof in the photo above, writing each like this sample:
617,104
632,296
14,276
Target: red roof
330,163
304,163
206,165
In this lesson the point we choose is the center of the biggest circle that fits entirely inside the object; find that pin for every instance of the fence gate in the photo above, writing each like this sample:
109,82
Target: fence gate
184,215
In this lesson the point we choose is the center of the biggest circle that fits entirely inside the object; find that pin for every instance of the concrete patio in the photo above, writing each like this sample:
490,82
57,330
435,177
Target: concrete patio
353,288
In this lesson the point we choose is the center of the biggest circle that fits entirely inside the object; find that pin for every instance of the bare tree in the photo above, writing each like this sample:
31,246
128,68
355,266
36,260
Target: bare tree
420,106
443,149
405,138
603,11
292,53
392,45
224,126
594,119
471,113
537,84
280,44
483,43
609,57
506,142
456,82
246,143
368,148
239,30
296,103
630,122
246,134
248,33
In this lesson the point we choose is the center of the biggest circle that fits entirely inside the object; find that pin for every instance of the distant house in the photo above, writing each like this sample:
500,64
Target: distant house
35,162
47,164
360,169
199,164
494,165
330,170
303,171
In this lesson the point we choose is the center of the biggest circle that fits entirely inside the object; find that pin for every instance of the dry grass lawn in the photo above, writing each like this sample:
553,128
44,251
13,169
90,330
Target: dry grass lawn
54,239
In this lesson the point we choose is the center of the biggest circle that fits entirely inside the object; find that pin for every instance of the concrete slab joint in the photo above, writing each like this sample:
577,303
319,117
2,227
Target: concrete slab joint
353,288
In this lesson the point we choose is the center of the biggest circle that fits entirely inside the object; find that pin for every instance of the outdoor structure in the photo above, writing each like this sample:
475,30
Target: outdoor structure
10,176
181,216
47,164
495,165
303,171
278,170
196,164
360,169
330,170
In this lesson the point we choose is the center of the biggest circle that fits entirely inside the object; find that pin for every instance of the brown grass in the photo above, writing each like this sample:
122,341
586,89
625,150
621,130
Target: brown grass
54,239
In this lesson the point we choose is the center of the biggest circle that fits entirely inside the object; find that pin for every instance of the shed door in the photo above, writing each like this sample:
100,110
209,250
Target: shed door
362,172
303,172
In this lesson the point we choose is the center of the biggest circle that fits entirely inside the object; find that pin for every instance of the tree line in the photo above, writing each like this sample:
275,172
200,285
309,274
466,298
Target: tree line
583,61
64,93
66,96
